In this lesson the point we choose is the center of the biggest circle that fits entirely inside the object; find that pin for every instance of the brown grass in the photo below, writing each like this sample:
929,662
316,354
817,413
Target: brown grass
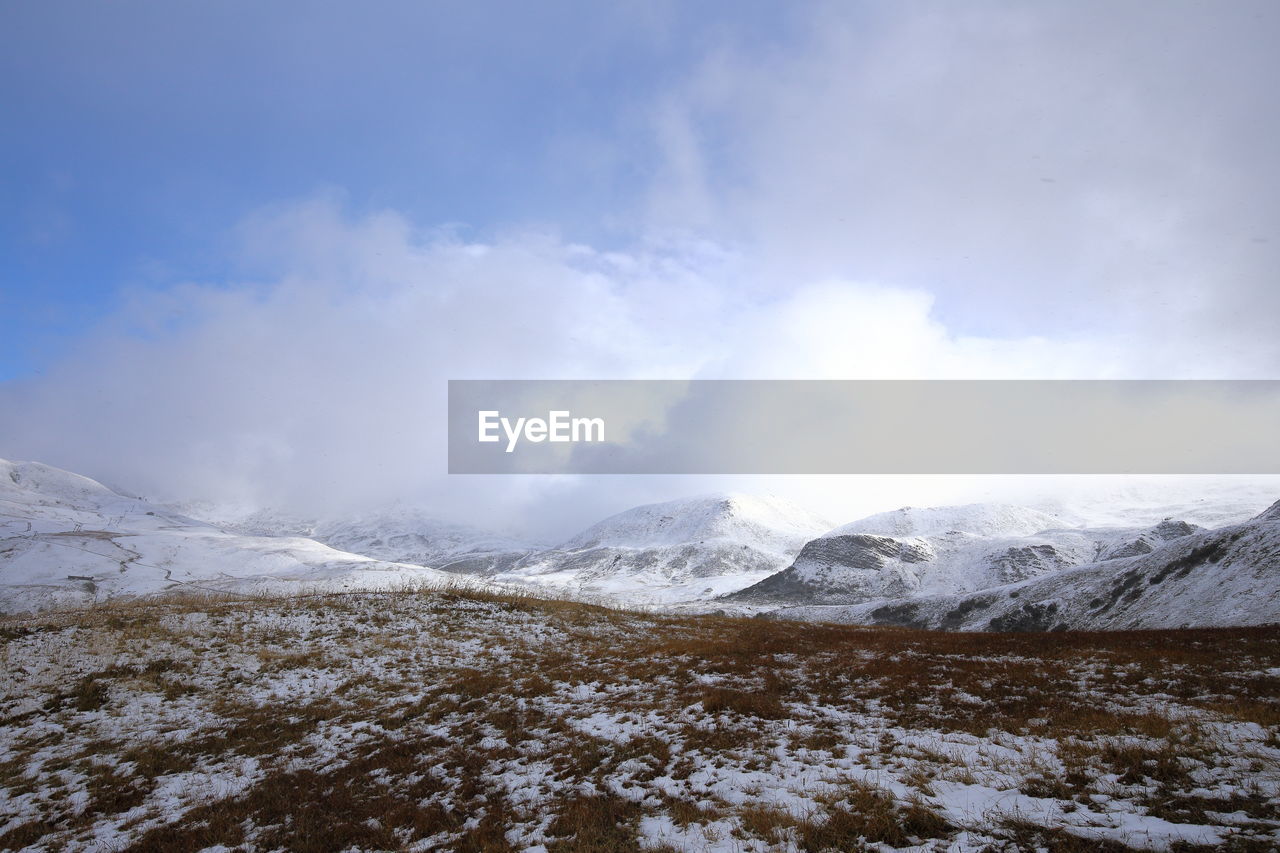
1130,707
595,823
864,815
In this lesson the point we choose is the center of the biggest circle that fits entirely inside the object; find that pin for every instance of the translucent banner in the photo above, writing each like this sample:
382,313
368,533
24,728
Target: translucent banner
864,427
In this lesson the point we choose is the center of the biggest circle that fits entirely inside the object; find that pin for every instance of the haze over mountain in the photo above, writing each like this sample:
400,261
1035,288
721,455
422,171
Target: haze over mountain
67,539
408,535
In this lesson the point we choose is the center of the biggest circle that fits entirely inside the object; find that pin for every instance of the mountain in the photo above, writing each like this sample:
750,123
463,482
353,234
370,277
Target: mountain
914,551
67,539
678,550
1149,540
944,550
675,551
1227,576
1271,513
414,536
399,534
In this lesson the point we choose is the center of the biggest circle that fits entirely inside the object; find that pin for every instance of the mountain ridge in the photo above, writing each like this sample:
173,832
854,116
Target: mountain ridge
1228,576
676,551
65,538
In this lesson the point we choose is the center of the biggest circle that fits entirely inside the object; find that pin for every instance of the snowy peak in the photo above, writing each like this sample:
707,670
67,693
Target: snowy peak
683,550
34,492
912,552
257,522
757,521
976,519
1172,529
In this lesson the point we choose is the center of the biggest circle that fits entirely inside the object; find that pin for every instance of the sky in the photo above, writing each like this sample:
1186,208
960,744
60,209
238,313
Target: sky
244,245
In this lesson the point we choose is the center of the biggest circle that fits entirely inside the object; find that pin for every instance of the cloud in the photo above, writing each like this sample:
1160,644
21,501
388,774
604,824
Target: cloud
320,385
905,190
1038,168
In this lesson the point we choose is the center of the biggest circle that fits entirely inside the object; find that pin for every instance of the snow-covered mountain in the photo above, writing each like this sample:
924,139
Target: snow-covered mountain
410,535
677,550
67,539
944,550
1227,576
400,534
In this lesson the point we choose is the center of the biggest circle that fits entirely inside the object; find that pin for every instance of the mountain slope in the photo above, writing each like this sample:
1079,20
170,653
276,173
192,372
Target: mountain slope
400,535
668,552
945,550
67,539
1228,576
413,536
924,551
677,550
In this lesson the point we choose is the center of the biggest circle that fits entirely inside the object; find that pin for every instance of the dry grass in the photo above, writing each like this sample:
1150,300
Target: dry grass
863,815
471,720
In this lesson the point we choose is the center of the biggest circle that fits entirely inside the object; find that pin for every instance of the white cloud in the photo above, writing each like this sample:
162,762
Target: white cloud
323,386
1038,168
914,190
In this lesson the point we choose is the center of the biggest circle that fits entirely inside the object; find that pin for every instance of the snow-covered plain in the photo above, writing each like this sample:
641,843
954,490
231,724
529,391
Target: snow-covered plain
466,721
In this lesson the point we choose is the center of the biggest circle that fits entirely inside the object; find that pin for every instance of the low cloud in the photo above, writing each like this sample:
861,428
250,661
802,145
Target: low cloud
320,386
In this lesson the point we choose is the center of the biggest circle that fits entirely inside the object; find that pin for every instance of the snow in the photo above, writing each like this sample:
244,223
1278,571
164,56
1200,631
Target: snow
399,534
1228,576
677,551
371,659
760,522
66,539
412,535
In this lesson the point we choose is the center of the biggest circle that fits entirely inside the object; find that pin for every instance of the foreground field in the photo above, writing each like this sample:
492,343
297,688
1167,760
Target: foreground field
460,721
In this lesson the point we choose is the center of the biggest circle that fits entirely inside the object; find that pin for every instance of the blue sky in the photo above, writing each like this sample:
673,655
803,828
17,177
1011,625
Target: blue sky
244,245
139,133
